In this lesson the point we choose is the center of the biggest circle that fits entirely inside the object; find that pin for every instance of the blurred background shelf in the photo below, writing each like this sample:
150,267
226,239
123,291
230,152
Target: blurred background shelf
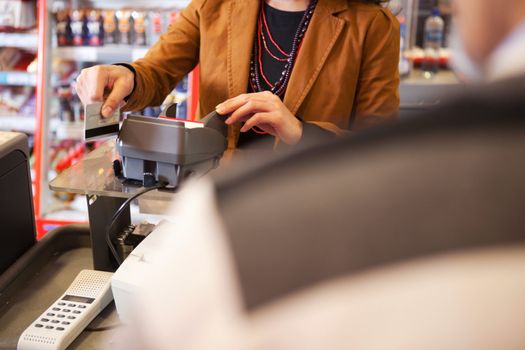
17,78
104,54
418,93
134,4
68,130
18,122
28,41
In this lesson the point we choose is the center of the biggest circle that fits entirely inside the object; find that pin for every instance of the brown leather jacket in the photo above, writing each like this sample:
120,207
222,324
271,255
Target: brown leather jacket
345,77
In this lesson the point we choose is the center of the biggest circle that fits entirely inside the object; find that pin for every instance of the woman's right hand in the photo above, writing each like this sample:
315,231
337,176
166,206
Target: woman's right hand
97,82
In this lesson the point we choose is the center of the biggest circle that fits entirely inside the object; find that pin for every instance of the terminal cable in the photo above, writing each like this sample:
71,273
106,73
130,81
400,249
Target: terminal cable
119,213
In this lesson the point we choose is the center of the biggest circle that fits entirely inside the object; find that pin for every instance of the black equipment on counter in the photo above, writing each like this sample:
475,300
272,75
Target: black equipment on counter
170,150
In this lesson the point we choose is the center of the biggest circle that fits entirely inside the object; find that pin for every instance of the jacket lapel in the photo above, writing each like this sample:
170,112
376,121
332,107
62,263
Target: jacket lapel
241,32
322,34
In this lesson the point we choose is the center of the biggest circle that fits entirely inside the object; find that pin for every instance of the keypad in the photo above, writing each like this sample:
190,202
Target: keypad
59,318
59,315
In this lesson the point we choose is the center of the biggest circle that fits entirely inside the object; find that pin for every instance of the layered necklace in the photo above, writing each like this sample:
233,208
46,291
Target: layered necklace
265,41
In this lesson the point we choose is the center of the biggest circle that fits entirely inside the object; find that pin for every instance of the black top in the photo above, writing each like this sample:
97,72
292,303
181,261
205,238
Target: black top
283,26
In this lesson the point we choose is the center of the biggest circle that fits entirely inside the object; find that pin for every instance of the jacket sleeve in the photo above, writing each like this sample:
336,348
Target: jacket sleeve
377,96
174,55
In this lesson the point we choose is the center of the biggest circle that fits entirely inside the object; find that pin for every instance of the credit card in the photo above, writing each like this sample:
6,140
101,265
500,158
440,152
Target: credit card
96,126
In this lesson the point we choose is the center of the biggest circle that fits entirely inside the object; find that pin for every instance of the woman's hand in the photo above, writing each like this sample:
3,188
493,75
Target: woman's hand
94,82
265,111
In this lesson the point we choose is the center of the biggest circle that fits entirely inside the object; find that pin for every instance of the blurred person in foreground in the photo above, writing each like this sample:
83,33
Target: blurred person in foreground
472,301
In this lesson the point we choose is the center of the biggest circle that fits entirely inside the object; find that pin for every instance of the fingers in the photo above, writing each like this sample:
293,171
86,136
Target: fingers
120,90
232,104
229,106
266,111
262,120
94,82
91,83
97,83
245,111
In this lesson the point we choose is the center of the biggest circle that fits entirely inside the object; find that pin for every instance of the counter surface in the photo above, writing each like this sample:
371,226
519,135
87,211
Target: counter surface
94,176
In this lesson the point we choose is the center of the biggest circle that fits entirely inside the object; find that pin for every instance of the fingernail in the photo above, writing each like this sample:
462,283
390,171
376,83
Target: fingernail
220,108
107,111
227,121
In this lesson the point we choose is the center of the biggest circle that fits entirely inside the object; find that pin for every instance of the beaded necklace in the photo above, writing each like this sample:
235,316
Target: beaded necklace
261,43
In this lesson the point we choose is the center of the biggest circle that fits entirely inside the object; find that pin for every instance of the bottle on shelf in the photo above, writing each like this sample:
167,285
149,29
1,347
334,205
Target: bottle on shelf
404,62
433,41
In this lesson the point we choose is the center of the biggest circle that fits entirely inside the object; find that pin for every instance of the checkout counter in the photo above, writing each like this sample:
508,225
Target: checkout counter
36,280
40,272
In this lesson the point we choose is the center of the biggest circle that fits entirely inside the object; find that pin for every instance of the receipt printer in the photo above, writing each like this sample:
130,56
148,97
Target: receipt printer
170,150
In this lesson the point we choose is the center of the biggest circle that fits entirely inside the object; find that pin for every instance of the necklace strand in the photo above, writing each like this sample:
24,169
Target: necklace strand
256,66
263,15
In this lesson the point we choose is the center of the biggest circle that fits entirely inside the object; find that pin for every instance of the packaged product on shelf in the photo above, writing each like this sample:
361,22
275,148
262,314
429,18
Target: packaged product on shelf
17,15
139,28
68,155
78,108
95,28
181,97
182,106
110,27
151,112
65,112
29,107
13,99
156,26
63,28
9,56
404,63
78,27
172,16
124,26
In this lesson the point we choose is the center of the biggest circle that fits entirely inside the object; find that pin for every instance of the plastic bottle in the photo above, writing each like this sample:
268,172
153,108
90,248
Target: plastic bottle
404,63
434,32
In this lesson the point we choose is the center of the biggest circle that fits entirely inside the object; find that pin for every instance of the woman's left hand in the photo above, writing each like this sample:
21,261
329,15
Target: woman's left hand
265,111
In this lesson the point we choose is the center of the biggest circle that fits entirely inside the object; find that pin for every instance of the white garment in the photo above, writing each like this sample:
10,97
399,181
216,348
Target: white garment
508,60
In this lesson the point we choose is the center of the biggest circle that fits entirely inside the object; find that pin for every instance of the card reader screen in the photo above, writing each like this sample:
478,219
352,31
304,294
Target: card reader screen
78,299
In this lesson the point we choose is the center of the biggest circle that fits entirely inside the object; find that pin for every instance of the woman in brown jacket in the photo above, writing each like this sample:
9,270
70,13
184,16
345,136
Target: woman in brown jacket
280,67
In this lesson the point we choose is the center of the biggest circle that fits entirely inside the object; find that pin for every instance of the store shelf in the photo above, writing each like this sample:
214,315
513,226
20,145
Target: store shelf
17,122
419,94
104,54
28,41
68,131
135,4
444,77
17,78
